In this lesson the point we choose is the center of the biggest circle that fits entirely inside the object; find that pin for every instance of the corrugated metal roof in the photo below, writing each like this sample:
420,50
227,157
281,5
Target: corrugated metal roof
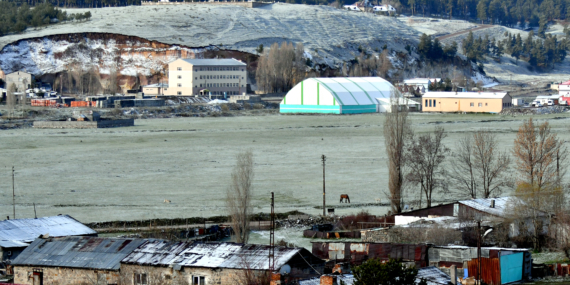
78,252
27,230
433,276
214,61
210,255
12,244
466,95
484,205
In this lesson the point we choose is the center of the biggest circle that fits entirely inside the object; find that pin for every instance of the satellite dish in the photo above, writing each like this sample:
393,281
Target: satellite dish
285,269
406,207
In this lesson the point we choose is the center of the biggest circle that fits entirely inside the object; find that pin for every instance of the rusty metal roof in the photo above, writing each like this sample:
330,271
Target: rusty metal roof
210,255
14,233
78,252
433,276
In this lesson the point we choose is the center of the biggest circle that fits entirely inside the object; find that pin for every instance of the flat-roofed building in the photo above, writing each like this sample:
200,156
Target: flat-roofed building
483,102
22,80
204,76
155,89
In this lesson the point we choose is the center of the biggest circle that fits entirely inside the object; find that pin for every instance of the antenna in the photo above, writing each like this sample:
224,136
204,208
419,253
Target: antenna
13,194
272,236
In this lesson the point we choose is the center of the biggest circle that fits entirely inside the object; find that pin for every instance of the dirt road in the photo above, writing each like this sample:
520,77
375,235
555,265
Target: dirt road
464,32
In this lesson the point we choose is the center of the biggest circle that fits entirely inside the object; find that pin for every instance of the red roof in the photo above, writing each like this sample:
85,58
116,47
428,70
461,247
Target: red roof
565,83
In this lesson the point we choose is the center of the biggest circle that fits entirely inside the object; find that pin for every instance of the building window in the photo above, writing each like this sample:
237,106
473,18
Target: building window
480,104
434,103
179,84
196,77
179,93
472,104
179,76
200,85
179,68
485,104
140,278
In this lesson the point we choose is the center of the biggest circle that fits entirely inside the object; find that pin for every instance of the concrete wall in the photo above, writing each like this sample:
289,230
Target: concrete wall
139,103
167,275
83,124
62,275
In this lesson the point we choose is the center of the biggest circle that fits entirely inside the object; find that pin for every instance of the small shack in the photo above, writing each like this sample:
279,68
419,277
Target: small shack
498,265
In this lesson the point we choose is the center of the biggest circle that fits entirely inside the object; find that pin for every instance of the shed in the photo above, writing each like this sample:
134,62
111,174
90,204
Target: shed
498,265
339,95
72,259
432,276
16,235
358,252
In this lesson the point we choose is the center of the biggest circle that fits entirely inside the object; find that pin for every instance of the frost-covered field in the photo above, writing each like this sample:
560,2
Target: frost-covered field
127,173
330,35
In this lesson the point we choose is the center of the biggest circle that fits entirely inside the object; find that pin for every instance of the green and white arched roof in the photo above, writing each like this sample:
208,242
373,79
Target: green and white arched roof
342,91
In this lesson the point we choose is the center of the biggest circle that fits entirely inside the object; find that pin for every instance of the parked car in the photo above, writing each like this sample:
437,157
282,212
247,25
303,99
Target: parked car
537,104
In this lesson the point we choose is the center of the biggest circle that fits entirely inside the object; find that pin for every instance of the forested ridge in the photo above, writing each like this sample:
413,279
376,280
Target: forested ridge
15,18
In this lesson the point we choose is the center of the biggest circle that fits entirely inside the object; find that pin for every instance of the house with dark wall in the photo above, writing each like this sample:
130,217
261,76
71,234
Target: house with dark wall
16,235
214,263
73,260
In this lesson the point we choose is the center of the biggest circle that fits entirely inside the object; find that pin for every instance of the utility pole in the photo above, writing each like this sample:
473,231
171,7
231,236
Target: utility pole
272,236
13,195
479,252
324,159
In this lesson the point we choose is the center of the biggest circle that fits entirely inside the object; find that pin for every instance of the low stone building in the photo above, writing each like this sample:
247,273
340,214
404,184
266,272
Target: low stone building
73,260
213,263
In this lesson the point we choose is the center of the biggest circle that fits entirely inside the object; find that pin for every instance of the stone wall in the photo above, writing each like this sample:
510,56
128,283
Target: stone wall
62,275
376,235
170,276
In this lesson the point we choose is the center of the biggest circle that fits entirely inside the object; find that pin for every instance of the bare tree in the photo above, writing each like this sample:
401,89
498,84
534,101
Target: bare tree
239,196
478,167
424,158
541,162
281,67
396,130
11,98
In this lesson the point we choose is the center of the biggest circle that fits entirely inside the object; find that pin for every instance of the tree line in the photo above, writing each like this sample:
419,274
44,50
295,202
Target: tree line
478,168
15,18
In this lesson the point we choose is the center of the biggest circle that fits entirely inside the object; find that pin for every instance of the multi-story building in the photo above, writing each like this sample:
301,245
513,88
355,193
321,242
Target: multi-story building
21,80
205,76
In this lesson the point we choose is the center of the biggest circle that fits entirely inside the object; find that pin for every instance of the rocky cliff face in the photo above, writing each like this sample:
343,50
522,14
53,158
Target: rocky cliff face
103,54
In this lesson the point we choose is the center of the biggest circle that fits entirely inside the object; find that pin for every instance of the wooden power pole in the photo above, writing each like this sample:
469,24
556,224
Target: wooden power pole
13,195
324,159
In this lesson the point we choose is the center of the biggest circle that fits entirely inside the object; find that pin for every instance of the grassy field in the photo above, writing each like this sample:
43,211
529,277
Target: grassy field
127,173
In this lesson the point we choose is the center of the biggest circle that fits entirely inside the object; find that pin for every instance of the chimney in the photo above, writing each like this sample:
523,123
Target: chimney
492,203
328,280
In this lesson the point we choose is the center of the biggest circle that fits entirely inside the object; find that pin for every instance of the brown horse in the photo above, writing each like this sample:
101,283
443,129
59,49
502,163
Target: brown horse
344,197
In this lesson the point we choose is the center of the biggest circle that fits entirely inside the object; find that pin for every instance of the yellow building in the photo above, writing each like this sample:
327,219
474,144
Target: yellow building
204,76
475,102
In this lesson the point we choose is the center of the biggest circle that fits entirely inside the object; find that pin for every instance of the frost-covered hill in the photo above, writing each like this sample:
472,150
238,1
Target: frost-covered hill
330,35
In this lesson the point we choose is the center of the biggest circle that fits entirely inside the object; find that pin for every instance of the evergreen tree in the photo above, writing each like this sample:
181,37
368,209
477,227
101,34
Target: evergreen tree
482,10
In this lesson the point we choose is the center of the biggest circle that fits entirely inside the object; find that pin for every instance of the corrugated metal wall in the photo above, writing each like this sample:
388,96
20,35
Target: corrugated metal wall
490,270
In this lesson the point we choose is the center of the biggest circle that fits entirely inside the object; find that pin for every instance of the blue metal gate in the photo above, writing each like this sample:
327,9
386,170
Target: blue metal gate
511,267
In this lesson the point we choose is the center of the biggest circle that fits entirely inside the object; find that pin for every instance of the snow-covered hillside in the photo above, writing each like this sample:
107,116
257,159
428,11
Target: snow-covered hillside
330,35
127,55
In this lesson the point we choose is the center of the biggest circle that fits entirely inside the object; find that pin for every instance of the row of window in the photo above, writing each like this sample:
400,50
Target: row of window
430,102
214,68
142,279
216,77
220,85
